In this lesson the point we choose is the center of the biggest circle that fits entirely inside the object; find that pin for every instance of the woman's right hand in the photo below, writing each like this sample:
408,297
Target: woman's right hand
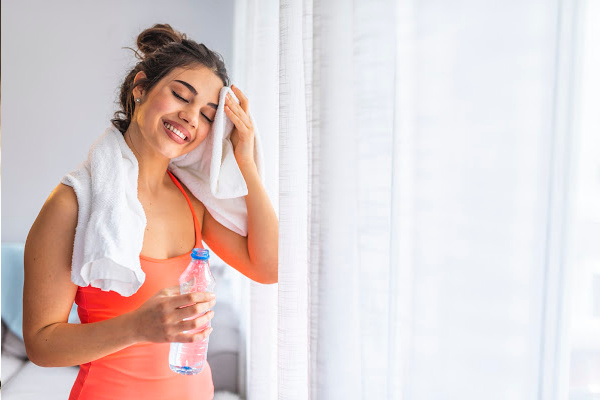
161,318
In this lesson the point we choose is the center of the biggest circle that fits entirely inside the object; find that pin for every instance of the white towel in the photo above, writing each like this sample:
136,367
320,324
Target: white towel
111,220
212,174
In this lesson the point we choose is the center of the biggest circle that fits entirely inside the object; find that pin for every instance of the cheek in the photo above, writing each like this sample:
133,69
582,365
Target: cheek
155,110
203,131
201,136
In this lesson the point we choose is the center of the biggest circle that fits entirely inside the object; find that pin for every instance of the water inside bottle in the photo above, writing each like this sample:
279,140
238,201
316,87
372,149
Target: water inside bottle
190,358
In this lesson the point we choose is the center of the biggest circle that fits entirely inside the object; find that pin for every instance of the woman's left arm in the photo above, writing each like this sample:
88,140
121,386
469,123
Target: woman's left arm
256,255
263,226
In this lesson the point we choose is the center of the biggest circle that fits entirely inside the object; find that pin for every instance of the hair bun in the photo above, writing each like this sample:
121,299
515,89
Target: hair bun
156,37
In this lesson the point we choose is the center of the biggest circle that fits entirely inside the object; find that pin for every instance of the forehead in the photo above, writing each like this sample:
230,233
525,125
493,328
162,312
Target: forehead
206,82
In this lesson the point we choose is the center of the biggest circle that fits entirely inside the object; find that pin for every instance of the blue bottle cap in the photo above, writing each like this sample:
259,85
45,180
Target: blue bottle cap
200,254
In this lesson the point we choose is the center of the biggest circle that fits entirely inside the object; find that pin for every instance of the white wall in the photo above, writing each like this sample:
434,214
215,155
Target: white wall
62,67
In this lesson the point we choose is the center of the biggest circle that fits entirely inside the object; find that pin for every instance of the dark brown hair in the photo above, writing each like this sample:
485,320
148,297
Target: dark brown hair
161,49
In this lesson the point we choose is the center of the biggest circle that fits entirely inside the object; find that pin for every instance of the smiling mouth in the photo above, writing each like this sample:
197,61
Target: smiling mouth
175,130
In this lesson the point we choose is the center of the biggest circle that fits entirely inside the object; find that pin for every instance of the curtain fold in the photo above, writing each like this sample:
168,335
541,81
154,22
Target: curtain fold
295,64
256,72
403,202
355,170
554,357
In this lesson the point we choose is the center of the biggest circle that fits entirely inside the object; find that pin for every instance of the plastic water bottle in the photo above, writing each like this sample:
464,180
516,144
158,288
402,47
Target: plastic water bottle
189,358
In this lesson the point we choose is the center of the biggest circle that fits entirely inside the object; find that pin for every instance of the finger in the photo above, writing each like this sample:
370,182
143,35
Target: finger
241,97
202,335
236,120
238,110
196,323
184,300
193,337
194,310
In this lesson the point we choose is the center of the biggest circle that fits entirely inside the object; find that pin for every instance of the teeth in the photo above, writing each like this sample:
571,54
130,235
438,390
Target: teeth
175,130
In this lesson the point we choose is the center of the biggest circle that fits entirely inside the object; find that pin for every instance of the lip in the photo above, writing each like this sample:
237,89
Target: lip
173,136
180,128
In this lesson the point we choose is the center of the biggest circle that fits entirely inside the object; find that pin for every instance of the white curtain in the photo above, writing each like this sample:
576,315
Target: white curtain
255,71
418,164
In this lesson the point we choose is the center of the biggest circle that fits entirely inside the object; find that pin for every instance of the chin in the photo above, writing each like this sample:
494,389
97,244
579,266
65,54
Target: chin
174,154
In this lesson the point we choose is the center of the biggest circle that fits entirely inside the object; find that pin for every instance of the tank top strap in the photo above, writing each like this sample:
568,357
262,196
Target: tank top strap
196,223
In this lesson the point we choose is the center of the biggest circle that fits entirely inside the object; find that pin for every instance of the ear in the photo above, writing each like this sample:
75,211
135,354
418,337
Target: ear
138,91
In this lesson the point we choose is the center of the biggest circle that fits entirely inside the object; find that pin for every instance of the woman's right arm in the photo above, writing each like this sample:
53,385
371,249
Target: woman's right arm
48,296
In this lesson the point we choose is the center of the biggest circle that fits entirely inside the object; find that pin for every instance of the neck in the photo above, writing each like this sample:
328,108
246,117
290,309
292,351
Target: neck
152,165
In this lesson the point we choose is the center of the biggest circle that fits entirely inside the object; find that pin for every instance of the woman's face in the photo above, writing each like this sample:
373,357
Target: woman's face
174,117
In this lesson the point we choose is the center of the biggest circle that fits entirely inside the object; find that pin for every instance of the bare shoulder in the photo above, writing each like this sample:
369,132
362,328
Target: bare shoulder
57,218
64,194
62,203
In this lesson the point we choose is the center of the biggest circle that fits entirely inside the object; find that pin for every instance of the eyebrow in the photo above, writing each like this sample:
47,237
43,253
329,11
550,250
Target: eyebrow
193,90
187,85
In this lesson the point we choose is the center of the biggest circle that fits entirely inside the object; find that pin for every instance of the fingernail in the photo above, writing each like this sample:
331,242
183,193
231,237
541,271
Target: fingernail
212,296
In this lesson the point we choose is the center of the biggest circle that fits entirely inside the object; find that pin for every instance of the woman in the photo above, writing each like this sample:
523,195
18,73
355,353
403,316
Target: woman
122,344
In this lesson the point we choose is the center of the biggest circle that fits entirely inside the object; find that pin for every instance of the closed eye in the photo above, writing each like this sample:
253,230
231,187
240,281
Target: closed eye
178,96
187,101
208,119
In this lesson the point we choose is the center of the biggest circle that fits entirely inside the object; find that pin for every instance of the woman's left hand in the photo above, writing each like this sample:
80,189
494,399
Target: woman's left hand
242,136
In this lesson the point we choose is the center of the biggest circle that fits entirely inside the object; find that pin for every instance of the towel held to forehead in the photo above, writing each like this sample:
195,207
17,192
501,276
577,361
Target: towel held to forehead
111,221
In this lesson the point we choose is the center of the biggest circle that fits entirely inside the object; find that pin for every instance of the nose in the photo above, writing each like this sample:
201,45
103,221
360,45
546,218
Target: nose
187,117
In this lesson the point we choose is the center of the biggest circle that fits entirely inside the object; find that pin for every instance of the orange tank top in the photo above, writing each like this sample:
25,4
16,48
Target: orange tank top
140,371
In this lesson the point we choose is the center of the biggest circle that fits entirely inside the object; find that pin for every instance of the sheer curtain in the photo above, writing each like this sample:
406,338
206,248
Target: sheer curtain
255,71
420,202
582,357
